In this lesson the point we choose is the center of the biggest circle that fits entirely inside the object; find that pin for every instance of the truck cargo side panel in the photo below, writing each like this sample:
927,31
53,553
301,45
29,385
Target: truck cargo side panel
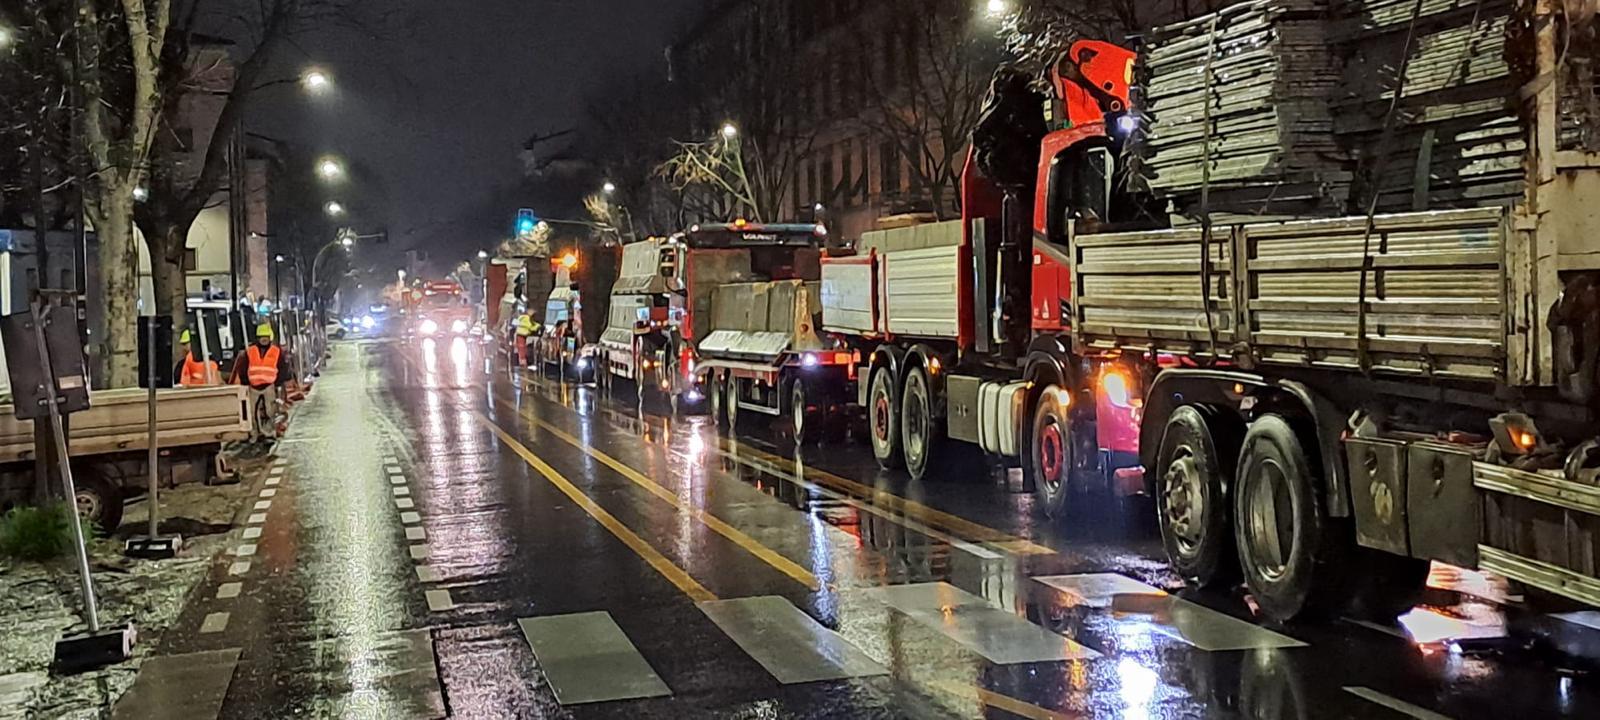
847,296
921,292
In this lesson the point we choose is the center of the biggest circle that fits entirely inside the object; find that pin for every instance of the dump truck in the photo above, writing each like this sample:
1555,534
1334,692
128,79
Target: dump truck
724,310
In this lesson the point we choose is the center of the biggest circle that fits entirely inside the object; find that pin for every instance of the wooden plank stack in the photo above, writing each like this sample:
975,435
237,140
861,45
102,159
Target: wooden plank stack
1246,91
1456,141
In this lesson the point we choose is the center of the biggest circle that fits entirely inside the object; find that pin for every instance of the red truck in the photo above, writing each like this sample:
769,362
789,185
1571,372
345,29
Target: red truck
439,309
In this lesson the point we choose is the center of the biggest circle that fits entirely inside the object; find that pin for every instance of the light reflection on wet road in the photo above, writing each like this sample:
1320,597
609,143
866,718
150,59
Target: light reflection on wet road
419,593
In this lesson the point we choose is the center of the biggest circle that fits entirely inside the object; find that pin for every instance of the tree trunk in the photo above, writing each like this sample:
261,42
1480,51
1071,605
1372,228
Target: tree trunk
119,286
168,242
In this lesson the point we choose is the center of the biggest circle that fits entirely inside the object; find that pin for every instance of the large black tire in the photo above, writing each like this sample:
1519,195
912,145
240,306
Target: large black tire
922,436
1191,498
719,401
805,418
1387,585
1050,450
1293,556
883,420
99,500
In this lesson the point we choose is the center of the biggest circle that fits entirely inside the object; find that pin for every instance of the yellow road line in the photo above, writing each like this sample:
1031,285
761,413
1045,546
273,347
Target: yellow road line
650,555
990,698
750,544
957,525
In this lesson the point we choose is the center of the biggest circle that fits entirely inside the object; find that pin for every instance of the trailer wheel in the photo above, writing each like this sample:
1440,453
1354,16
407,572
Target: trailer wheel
922,435
99,500
1051,451
719,400
883,420
805,420
1387,586
732,393
1290,551
1192,502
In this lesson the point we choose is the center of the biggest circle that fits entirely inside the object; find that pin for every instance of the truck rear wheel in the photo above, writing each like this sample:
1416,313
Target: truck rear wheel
99,500
883,420
1192,502
1290,551
719,400
805,420
1050,449
922,436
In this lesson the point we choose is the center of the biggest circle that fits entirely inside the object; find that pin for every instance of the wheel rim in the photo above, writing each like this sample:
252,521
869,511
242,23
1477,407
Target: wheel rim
1051,449
915,421
88,505
797,402
1271,520
1185,500
880,416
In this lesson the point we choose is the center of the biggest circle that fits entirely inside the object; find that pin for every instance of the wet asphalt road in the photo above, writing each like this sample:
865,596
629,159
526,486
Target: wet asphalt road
443,537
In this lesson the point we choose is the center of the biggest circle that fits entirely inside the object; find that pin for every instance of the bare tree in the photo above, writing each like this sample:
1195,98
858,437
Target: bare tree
926,111
179,191
117,138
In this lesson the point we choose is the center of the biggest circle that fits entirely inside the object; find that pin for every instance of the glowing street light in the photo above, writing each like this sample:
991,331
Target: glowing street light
402,273
569,261
330,169
996,8
5,38
609,187
347,241
140,194
483,254
278,258
333,208
316,81
729,131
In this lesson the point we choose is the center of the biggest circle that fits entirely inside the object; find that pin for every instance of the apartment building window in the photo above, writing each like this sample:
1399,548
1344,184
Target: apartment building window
191,260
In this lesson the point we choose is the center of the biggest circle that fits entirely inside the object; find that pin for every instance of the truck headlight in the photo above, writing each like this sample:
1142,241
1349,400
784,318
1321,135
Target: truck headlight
458,327
428,327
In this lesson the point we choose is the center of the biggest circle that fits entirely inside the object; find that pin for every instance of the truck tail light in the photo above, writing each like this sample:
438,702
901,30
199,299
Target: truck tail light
1117,387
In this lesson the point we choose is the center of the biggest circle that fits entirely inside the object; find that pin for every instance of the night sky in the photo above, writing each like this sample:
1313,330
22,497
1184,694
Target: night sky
434,114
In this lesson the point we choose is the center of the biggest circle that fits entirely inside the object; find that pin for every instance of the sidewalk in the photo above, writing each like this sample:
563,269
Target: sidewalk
40,602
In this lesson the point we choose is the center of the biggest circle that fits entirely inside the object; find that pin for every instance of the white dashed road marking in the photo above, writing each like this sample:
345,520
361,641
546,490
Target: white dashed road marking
269,492
1395,704
272,482
263,505
239,568
251,533
419,552
401,491
416,533
214,623
439,600
427,574
245,550
404,503
392,469
257,518
410,518
230,590
397,479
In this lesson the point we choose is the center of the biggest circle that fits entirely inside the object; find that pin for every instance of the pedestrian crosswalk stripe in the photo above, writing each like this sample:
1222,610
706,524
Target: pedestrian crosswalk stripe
586,658
401,491
1395,704
214,623
257,518
397,480
245,550
998,635
269,492
1182,620
263,505
392,460
392,469
252,533
272,482
239,568
792,646
439,600
228,591
416,533
410,518
404,503
419,552
427,574
188,686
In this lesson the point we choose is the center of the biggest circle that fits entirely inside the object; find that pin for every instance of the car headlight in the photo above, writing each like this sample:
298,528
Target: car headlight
367,322
458,327
428,327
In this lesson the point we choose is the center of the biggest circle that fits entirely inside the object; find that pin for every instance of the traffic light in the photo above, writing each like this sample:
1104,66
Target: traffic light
526,222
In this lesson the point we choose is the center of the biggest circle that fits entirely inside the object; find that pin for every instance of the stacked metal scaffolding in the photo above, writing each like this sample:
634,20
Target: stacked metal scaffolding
1455,140
1239,102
